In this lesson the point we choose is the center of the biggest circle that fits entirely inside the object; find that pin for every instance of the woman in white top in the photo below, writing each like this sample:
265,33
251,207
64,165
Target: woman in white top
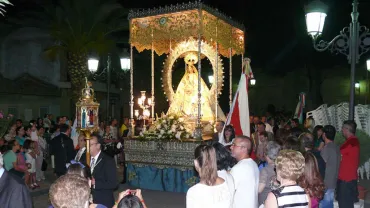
211,191
224,163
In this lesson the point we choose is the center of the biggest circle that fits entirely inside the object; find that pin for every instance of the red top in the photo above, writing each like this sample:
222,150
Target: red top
350,151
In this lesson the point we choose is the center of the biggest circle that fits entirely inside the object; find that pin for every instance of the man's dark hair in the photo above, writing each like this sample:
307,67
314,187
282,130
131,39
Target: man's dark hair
99,138
292,143
222,122
351,126
224,158
295,120
329,132
11,144
63,128
261,123
19,120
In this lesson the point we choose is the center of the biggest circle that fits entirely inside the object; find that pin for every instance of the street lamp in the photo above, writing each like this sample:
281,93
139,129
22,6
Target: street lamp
352,41
211,79
106,74
253,81
357,85
368,64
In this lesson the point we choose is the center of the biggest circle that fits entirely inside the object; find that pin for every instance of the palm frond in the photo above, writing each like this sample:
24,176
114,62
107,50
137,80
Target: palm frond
3,3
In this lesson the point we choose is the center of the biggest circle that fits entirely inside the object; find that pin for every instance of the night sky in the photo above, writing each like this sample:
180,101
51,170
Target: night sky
276,38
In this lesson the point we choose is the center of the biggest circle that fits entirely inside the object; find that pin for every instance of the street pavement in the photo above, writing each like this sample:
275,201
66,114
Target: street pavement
153,199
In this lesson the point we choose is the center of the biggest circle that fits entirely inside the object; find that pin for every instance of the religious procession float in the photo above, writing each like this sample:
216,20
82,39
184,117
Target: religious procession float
161,158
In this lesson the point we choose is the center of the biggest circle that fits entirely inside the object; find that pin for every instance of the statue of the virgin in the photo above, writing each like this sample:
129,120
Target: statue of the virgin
185,102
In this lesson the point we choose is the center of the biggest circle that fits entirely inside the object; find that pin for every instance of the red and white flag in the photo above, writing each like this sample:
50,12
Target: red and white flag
238,116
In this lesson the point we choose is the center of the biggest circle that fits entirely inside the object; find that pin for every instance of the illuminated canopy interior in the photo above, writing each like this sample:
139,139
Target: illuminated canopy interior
167,26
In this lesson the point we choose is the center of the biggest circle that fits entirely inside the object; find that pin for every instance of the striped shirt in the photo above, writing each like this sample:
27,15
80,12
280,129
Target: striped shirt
291,196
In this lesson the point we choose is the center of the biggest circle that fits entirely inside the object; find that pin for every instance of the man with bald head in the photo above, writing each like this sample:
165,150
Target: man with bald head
245,173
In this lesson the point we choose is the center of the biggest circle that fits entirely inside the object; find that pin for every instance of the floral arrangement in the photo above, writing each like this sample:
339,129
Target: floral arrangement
167,127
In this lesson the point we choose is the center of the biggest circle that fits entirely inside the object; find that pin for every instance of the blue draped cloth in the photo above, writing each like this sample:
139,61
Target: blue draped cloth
161,179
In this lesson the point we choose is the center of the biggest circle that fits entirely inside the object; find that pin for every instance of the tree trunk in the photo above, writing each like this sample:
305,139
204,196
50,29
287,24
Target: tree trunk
77,70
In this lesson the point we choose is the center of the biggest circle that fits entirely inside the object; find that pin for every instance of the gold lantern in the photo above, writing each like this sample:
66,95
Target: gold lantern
87,111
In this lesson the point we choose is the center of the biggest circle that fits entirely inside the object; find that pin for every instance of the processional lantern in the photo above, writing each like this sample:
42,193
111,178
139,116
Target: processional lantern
87,113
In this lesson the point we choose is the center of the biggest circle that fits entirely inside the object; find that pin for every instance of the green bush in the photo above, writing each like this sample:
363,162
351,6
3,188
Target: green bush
364,140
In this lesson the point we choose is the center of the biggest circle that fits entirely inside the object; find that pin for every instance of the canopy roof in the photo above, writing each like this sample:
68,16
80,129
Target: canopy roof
165,27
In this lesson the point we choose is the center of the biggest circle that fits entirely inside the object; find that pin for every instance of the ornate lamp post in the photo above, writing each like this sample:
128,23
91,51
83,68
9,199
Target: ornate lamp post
353,41
87,111
144,107
106,74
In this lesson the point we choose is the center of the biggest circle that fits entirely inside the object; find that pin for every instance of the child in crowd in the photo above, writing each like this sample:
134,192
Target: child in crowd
21,162
31,155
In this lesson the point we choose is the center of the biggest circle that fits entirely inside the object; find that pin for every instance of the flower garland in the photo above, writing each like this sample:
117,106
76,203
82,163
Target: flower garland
167,127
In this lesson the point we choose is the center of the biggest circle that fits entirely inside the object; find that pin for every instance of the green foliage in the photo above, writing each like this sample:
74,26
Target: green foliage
3,3
364,140
84,26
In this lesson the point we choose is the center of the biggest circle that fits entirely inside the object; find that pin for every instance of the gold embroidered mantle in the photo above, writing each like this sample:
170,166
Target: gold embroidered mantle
166,27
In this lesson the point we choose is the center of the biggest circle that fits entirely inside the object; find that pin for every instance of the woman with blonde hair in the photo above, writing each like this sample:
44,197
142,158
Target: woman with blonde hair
211,191
290,165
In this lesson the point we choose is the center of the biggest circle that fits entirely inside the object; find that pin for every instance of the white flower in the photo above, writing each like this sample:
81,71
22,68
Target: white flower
187,136
169,132
159,126
141,134
171,117
161,132
181,127
164,121
178,135
181,119
165,126
160,136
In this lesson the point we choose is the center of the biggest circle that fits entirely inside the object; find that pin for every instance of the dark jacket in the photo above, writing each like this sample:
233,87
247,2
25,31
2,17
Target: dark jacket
13,192
62,148
320,162
105,175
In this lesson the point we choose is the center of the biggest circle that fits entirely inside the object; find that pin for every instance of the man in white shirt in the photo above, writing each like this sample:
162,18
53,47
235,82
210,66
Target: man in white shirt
245,174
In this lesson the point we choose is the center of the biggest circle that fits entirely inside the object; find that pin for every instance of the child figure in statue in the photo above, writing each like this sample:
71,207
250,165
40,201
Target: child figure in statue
83,120
91,117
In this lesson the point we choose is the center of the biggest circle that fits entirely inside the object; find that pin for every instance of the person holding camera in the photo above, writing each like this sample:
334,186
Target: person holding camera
130,199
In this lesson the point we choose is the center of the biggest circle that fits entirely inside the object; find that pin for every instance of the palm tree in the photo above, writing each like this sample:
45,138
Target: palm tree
80,27
3,3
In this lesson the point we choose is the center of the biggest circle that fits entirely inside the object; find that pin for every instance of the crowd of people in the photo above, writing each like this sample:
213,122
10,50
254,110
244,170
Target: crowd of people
25,147
277,166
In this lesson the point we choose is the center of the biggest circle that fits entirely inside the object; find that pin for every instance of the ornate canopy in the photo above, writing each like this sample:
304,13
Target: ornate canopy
167,26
